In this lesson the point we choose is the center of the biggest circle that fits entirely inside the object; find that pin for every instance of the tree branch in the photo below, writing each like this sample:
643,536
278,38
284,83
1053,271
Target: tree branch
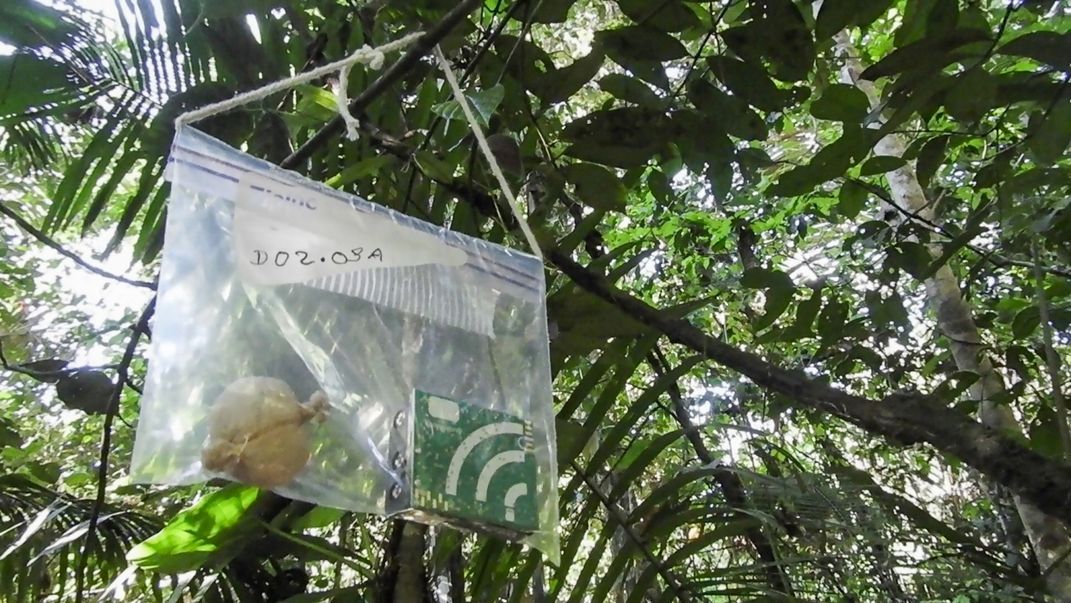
421,47
106,444
49,242
904,418
729,482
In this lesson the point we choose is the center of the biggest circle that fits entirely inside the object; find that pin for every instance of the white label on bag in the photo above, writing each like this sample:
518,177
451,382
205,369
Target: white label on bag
287,234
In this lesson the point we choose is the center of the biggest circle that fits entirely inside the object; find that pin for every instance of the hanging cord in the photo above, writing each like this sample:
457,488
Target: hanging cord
373,57
488,155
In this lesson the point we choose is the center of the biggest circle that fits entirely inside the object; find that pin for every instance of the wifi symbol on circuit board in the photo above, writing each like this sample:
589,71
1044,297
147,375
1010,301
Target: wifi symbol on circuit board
493,465
477,462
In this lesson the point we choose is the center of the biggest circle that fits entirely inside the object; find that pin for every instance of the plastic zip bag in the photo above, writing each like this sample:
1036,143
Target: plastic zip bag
337,352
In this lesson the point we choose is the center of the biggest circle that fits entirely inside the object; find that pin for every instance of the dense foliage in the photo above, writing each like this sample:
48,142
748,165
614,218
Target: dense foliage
769,225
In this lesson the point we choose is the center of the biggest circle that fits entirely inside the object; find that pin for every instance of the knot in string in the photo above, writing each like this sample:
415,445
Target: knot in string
374,58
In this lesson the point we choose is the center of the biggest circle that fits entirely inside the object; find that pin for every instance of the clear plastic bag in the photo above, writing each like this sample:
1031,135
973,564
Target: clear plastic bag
337,352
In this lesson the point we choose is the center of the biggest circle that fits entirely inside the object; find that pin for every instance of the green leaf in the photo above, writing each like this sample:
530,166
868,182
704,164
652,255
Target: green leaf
319,517
641,50
1048,47
622,137
1045,432
666,15
596,186
433,167
835,15
558,85
912,257
630,89
972,96
786,40
765,278
749,82
830,162
30,24
881,164
362,169
1026,321
727,111
841,102
851,199
930,158
88,390
777,301
1050,135
928,54
195,533
29,82
806,311
482,102
547,11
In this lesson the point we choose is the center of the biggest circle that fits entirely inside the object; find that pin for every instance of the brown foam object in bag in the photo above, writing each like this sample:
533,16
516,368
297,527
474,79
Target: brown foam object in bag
258,433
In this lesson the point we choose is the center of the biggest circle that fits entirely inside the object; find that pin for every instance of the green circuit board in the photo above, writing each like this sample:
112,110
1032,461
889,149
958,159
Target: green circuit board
472,463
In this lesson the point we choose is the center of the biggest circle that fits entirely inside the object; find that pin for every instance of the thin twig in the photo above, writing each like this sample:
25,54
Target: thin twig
111,412
698,53
619,517
1052,360
989,255
48,241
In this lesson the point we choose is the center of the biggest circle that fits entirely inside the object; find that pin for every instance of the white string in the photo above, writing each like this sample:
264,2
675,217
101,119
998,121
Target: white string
486,150
374,57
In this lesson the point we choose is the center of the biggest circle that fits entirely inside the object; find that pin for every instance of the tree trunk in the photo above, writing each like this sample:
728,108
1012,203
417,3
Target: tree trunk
1048,537
409,585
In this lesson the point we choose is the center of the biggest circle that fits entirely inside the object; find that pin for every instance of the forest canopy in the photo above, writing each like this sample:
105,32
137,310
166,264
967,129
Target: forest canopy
808,289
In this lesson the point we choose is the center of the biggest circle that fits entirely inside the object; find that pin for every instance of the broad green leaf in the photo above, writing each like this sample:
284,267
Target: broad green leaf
777,301
830,162
547,11
835,15
666,15
623,137
972,96
881,164
765,278
1050,134
786,40
1045,432
806,311
641,50
749,82
1048,47
195,533
640,43
912,257
929,54
483,103
831,321
727,111
851,199
558,85
930,158
841,102
1026,322
630,89
596,186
